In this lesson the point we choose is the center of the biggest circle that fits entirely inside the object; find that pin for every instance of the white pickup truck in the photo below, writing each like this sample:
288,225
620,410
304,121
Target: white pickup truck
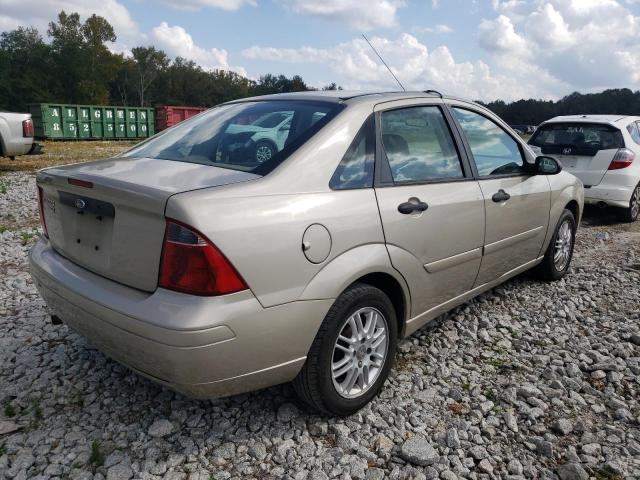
16,134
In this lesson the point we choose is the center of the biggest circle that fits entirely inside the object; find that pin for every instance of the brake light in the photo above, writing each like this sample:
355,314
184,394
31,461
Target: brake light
622,159
79,183
41,210
190,263
27,128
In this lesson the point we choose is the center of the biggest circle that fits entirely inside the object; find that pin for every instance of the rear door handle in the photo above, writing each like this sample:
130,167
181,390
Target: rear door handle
500,196
413,205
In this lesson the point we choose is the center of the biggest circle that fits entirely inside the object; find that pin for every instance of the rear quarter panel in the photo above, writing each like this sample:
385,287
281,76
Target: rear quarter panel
262,236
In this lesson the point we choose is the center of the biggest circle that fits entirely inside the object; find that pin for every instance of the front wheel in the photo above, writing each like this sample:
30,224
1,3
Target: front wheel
352,353
558,256
630,214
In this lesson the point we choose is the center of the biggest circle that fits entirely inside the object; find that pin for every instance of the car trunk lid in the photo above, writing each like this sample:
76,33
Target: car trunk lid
108,216
589,169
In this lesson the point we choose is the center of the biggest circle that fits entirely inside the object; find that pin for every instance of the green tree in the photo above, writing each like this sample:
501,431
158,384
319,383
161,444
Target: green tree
83,64
149,63
24,65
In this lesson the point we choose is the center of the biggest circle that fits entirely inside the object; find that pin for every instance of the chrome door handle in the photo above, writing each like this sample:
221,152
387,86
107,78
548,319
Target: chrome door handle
413,205
500,196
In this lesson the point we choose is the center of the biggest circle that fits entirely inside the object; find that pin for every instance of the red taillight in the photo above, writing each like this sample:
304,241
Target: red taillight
622,159
27,128
192,264
79,183
41,210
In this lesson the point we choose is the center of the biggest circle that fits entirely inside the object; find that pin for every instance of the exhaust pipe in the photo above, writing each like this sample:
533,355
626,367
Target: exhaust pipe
55,320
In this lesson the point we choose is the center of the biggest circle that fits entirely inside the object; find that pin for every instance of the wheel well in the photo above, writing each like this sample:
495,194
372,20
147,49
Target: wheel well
573,207
393,290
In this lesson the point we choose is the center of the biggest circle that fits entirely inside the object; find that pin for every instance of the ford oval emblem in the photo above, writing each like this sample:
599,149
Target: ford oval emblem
80,204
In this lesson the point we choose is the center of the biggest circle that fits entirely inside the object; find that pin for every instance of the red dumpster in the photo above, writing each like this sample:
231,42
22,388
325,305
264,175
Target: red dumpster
168,116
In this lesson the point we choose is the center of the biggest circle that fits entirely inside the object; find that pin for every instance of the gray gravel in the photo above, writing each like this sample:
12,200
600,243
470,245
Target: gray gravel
530,380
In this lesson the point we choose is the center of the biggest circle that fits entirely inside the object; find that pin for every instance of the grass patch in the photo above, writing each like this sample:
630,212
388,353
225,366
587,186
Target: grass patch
36,409
61,153
3,188
97,457
26,236
3,449
490,394
9,410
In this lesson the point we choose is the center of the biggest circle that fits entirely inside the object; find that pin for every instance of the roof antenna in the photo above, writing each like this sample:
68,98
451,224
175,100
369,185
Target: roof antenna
385,63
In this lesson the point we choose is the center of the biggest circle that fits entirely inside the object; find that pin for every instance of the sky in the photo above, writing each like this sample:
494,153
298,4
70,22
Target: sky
480,49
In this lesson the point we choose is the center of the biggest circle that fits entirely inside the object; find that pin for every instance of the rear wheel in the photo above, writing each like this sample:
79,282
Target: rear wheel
557,258
630,214
352,353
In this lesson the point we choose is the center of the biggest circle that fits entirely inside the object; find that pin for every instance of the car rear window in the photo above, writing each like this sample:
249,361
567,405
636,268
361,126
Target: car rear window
576,138
249,136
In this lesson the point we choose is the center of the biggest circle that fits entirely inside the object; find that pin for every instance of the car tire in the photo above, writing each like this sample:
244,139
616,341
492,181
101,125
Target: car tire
557,258
316,385
630,214
263,151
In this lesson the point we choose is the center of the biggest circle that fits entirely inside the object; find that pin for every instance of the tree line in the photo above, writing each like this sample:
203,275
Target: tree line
619,101
75,65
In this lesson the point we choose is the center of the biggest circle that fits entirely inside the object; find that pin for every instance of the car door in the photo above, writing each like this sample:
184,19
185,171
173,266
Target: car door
516,202
432,209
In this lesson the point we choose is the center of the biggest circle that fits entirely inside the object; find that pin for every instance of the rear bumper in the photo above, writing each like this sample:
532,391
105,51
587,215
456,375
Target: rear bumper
614,189
201,346
21,146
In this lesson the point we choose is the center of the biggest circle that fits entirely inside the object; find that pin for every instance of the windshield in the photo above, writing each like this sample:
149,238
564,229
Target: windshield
250,136
576,138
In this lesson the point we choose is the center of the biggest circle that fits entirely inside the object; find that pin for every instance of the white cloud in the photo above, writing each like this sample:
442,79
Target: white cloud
358,14
38,13
440,28
415,66
176,41
499,35
229,5
587,44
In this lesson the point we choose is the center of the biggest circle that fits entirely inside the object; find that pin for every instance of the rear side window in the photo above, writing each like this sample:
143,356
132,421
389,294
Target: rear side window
356,168
419,145
584,139
249,136
494,151
632,128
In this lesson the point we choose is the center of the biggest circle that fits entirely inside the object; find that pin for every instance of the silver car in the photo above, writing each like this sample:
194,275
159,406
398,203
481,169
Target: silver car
216,274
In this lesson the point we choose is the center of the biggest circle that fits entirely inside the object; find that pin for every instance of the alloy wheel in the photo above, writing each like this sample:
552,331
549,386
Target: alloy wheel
635,202
564,242
263,153
360,352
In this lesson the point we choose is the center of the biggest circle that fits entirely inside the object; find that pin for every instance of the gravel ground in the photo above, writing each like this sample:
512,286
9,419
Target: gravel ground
530,380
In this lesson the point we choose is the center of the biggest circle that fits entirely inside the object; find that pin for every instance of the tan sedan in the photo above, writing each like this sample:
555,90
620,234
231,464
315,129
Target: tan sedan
216,271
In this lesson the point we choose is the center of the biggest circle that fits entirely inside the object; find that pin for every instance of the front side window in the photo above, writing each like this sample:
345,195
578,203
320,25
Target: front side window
356,168
419,145
494,151
249,136
576,138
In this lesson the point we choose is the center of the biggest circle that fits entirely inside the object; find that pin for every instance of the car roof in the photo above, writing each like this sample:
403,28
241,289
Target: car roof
349,96
608,119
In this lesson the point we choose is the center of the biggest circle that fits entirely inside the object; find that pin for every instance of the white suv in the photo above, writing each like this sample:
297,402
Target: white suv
601,151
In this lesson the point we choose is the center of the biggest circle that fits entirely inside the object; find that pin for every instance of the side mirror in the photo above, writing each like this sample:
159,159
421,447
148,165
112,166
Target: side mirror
547,166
